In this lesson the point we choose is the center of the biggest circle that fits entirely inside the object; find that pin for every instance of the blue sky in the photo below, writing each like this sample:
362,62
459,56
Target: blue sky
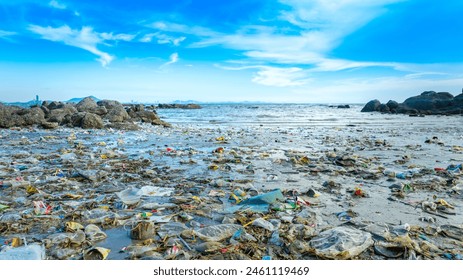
230,50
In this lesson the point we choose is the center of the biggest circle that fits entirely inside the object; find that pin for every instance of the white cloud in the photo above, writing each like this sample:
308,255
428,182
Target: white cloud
86,39
162,39
317,27
280,77
5,35
57,5
275,76
173,58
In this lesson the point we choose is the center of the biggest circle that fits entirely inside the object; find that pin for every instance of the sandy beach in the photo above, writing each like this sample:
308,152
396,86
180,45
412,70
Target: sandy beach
388,187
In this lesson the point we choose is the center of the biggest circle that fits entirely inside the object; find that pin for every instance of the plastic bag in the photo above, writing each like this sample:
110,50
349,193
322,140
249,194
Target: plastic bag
217,232
130,196
155,191
259,203
341,243
94,233
260,222
28,252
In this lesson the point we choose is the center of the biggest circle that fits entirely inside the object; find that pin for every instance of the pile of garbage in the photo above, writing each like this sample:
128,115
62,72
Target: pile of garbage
106,194
85,114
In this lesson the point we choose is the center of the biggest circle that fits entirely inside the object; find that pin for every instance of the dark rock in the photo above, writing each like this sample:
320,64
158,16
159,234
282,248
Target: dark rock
91,120
55,105
86,120
45,110
59,115
139,108
100,110
11,116
371,106
109,104
86,105
392,104
429,100
117,114
49,125
343,106
383,108
179,106
123,126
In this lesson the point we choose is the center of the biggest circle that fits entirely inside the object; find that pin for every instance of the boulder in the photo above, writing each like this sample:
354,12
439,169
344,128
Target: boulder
59,115
11,116
109,104
91,120
86,120
50,125
383,108
429,100
392,104
55,105
86,105
117,114
371,106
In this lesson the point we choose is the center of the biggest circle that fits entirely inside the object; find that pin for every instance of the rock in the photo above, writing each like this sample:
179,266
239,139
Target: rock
179,106
86,105
109,104
429,100
383,108
344,106
86,120
123,126
50,125
15,116
427,103
99,110
371,106
117,114
55,105
392,104
58,115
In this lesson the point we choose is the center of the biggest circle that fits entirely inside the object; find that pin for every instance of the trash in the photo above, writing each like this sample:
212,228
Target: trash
260,222
27,252
130,196
209,247
40,208
94,233
389,250
73,226
3,207
97,253
258,203
275,239
341,243
142,230
218,232
154,191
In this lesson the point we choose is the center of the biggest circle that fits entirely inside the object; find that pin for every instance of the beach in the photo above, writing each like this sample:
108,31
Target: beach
394,181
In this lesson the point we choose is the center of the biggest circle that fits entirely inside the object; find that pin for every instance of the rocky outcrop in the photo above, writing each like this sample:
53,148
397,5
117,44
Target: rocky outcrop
86,114
11,116
179,106
427,103
371,106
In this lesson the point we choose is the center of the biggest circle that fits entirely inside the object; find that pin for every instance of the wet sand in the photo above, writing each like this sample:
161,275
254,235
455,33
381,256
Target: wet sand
205,164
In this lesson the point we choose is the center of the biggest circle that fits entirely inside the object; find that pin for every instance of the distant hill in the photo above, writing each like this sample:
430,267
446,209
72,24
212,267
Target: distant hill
78,99
26,104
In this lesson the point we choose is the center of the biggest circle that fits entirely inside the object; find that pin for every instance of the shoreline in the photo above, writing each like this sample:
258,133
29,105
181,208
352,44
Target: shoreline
254,159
